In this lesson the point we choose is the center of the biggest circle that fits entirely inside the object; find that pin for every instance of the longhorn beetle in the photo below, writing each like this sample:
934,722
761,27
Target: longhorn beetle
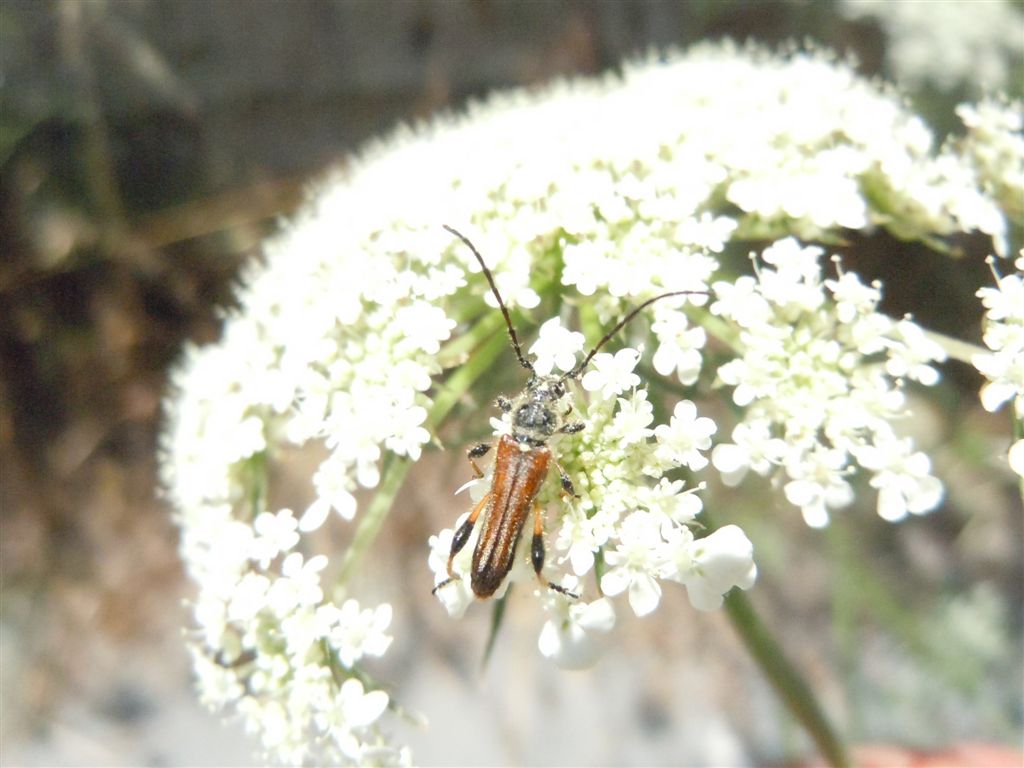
521,461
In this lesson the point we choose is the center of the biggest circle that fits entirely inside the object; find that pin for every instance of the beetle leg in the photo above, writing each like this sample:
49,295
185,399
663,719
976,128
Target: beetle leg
503,403
537,553
476,452
567,486
460,538
572,427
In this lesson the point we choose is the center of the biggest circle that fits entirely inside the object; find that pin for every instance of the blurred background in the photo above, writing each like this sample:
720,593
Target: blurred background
147,147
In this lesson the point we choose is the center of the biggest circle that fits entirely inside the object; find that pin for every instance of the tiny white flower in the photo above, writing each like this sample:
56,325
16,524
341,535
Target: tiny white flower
408,436
852,297
556,346
357,632
276,533
456,596
334,485
685,436
248,599
669,498
1003,367
612,374
422,327
298,585
679,348
359,708
741,302
914,353
572,636
711,566
902,478
633,417
634,563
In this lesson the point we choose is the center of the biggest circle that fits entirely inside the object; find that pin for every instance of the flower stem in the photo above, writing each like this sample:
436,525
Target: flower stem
784,678
489,346
958,350
397,467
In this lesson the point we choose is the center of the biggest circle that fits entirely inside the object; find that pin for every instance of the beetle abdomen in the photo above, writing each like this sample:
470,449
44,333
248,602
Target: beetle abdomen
518,476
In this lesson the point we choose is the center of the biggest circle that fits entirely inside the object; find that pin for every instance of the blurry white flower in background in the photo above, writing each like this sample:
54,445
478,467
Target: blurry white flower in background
977,44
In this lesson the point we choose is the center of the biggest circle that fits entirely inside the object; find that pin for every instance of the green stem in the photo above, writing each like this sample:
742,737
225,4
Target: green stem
466,374
1017,430
396,468
958,350
392,476
784,678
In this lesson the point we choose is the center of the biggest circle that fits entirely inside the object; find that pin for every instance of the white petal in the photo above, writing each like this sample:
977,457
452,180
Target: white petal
1016,457
891,505
548,643
644,594
315,515
815,516
703,597
802,493
732,461
727,556
598,616
615,581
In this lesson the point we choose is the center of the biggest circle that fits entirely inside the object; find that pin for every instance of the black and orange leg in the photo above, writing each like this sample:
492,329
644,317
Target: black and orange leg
567,486
537,553
460,538
478,450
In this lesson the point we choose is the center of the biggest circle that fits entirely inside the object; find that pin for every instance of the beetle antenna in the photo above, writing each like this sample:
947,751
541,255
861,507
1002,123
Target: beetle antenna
575,372
501,304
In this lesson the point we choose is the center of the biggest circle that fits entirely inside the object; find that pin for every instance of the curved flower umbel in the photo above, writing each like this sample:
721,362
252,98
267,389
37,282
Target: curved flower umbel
340,331
821,376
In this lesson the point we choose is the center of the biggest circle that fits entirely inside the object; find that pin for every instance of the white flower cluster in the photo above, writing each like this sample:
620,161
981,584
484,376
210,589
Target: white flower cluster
821,376
948,43
321,348
627,509
995,145
1003,366
620,188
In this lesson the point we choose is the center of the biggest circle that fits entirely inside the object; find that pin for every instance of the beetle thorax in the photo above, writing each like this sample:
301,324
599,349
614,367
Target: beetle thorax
538,412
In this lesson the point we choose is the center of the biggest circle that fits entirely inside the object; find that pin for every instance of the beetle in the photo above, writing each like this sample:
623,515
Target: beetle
522,461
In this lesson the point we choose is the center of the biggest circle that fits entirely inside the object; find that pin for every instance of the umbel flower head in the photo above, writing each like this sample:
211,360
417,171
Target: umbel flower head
597,194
